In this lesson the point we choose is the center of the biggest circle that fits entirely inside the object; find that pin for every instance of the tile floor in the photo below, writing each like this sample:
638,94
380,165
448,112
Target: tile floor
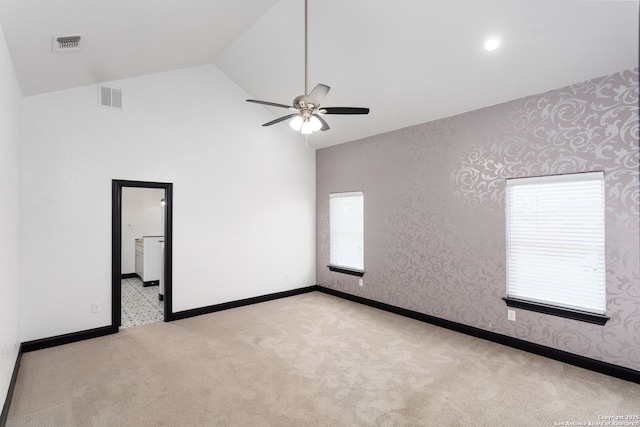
140,305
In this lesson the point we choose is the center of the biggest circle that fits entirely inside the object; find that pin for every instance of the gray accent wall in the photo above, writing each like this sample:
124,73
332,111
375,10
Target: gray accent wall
434,210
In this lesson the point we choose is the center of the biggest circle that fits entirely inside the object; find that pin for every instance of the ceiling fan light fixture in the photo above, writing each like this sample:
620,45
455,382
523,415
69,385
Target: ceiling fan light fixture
315,124
296,123
307,128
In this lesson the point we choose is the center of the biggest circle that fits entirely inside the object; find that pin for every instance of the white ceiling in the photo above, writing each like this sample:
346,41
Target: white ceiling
410,61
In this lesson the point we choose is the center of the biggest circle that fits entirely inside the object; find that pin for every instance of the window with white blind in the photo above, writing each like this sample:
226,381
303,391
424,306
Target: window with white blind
556,245
346,225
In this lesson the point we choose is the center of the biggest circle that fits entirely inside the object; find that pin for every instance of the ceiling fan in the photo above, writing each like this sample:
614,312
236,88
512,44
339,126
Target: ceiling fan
307,117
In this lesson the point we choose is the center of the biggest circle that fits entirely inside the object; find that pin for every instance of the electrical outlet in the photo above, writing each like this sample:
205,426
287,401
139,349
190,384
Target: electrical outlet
511,315
286,277
360,282
95,308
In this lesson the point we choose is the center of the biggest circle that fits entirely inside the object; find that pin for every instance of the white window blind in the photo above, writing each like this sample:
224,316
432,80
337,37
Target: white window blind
346,224
555,241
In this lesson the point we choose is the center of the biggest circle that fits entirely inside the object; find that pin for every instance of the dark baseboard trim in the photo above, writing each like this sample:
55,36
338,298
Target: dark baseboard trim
239,303
151,283
128,276
541,350
12,385
67,338
107,330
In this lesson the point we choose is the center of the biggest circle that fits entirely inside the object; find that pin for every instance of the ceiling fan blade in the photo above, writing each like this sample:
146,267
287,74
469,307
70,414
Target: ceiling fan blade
325,125
343,110
273,104
281,119
317,94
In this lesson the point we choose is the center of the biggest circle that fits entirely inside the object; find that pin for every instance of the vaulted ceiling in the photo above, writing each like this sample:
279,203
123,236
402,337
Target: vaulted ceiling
410,61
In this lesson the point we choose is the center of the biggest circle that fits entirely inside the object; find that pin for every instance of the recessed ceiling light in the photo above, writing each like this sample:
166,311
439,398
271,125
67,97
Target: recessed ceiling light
491,44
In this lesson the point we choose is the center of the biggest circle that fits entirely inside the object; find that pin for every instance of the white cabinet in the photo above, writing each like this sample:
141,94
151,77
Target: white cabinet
161,287
149,259
139,257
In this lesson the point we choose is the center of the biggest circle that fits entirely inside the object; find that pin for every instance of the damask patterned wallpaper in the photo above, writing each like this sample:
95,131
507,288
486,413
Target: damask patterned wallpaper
434,210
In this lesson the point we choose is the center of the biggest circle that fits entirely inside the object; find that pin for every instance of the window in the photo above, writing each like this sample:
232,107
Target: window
555,245
346,229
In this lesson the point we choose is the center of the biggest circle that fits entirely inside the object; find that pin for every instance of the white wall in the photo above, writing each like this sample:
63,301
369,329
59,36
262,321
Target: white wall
142,215
244,196
10,141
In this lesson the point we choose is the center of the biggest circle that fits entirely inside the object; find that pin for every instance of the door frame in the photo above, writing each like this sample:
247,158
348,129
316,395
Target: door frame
116,247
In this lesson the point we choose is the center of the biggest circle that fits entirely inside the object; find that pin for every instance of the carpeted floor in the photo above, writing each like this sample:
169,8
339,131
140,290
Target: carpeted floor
308,360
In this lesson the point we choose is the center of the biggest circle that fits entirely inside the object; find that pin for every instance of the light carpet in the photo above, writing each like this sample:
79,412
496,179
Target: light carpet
307,360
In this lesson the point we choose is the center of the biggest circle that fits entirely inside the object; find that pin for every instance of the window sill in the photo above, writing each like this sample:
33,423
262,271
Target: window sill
567,313
346,270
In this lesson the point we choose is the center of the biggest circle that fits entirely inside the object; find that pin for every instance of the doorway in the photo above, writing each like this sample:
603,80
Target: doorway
116,242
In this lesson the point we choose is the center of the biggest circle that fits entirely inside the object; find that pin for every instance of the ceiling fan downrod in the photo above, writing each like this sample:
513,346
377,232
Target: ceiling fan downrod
306,47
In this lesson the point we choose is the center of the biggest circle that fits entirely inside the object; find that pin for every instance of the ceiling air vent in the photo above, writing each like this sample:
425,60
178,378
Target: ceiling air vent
70,43
110,97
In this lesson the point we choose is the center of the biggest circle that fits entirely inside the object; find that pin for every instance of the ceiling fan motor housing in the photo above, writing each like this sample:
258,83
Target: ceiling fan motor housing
300,102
